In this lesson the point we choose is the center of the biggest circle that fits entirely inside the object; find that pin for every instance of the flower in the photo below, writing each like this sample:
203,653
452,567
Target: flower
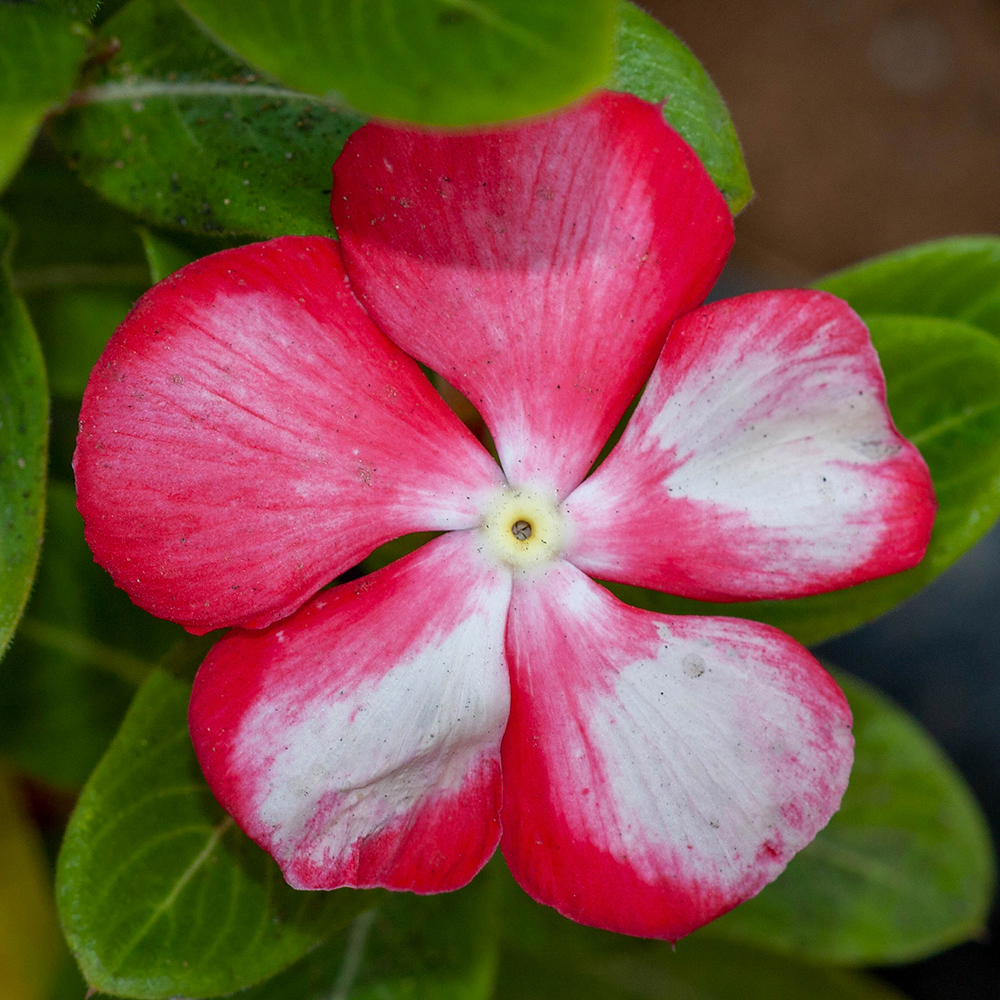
249,434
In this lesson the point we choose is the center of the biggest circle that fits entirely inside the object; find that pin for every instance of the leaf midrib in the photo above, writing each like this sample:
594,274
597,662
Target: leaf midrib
114,92
948,423
192,869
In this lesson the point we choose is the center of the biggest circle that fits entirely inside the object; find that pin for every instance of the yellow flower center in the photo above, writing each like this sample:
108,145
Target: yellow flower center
522,528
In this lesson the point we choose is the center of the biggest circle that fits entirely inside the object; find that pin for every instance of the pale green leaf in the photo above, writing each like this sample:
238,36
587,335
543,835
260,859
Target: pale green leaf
436,62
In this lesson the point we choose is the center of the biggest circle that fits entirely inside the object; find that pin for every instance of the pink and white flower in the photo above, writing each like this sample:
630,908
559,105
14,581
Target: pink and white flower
258,425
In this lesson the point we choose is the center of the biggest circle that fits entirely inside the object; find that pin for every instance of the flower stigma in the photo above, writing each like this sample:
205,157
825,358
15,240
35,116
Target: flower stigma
522,528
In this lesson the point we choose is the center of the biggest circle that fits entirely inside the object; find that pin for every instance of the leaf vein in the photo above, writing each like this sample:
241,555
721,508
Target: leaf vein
185,877
490,19
950,423
113,92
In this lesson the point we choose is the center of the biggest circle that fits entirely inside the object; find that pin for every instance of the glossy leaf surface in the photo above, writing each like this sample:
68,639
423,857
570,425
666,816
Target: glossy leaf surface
158,892
905,868
39,54
943,379
179,133
954,278
185,136
23,447
425,61
654,64
78,656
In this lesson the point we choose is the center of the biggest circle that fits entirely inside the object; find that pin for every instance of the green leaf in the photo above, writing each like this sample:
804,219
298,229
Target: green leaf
78,265
67,235
80,10
437,62
163,256
158,891
550,958
905,869
29,933
69,983
76,659
24,418
956,278
943,380
74,324
408,948
654,64
696,972
40,50
184,136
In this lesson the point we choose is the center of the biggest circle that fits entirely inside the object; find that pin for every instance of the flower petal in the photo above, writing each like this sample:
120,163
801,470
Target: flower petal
761,461
535,267
358,741
249,434
659,770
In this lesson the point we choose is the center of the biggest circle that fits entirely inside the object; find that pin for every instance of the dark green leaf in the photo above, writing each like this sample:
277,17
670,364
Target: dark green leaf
77,657
185,137
67,235
943,381
106,9
74,10
956,278
62,438
40,49
905,868
79,266
695,972
73,326
159,892
438,62
654,64
550,958
408,948
82,10
69,983
163,256
23,448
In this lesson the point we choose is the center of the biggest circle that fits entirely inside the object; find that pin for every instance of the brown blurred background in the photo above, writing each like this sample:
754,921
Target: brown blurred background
866,124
